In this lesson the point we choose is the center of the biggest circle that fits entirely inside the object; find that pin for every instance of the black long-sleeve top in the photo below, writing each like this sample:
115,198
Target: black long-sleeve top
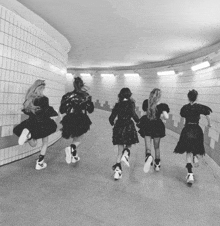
124,111
76,102
44,109
192,112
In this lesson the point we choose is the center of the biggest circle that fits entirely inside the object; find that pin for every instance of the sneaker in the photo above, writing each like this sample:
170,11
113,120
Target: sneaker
195,161
68,155
190,178
118,173
125,157
25,135
40,165
75,157
148,163
157,167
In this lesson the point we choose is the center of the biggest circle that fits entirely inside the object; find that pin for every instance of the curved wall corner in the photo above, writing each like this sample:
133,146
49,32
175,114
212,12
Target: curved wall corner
174,92
27,53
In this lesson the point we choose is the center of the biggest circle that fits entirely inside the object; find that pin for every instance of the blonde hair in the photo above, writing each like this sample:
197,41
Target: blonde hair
35,91
154,98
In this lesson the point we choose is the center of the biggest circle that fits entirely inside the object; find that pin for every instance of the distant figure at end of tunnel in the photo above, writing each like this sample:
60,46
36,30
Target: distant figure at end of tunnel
76,122
191,138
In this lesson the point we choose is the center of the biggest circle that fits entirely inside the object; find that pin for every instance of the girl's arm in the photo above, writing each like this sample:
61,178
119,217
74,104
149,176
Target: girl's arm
165,114
208,120
113,114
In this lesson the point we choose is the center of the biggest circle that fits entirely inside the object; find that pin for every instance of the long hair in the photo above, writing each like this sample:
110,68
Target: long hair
79,86
35,91
154,98
124,93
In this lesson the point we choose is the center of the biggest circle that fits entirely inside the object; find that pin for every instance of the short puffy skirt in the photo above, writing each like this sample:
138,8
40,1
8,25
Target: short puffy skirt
191,140
152,128
38,128
124,133
75,125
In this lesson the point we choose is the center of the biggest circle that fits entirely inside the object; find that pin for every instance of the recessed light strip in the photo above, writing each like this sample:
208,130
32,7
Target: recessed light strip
131,75
200,66
85,74
166,72
107,75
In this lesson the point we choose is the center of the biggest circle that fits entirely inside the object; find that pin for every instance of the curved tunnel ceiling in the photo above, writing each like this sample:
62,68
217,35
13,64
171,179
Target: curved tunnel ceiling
110,33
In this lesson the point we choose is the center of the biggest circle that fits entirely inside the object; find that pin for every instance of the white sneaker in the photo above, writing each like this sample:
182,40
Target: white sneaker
68,155
25,135
125,158
40,165
117,174
75,158
157,167
148,163
190,178
195,161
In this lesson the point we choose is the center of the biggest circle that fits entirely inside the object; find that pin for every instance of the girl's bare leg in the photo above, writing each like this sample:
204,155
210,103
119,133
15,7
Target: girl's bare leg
147,141
32,142
148,157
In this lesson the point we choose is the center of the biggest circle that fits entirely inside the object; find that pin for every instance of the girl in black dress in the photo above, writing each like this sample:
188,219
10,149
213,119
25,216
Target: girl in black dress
191,138
76,122
124,132
39,124
152,127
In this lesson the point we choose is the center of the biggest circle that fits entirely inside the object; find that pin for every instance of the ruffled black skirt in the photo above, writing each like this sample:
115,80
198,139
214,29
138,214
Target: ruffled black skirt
191,140
152,128
124,133
39,128
75,125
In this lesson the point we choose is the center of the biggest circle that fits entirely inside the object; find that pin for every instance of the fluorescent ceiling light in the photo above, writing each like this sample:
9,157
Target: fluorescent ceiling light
200,66
166,72
85,74
107,75
131,75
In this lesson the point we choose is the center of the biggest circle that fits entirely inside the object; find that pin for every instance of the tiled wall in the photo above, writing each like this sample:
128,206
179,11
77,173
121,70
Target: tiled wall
27,53
174,93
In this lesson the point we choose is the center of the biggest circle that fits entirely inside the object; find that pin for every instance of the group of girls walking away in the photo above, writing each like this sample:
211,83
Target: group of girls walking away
77,104
39,125
152,128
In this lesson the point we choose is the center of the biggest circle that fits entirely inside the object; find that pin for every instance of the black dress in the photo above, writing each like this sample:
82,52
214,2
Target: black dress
154,128
124,131
191,138
76,121
39,124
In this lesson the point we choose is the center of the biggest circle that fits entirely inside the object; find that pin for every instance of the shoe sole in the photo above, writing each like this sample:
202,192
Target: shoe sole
156,169
148,164
23,137
123,159
68,155
74,160
190,182
118,178
40,168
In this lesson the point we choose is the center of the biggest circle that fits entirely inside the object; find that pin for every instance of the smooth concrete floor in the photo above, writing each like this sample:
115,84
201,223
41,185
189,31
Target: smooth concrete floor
85,194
